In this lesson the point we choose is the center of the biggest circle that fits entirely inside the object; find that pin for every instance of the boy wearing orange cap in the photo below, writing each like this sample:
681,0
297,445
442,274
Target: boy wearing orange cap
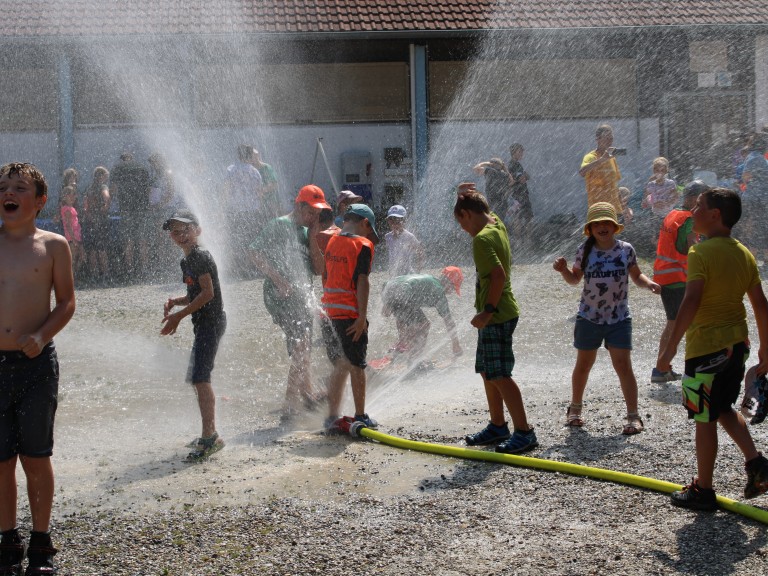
405,296
287,254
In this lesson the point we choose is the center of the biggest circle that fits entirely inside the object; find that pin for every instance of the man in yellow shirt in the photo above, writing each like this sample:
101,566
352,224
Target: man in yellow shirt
601,172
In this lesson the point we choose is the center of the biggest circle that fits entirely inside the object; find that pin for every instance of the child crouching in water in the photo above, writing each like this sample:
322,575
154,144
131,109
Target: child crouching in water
203,301
605,263
496,319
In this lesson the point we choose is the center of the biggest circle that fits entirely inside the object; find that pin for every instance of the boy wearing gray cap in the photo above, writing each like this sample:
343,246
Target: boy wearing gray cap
204,303
404,249
348,259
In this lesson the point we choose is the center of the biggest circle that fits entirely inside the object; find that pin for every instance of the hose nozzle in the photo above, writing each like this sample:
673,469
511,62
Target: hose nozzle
355,427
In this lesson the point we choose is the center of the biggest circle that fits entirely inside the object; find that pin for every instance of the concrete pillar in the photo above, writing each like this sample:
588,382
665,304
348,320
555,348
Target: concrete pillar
66,113
761,82
419,122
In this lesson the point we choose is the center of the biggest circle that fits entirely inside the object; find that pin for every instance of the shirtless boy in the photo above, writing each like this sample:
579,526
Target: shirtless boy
32,263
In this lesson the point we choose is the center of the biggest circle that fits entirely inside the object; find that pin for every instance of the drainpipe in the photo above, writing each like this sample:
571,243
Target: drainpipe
66,114
419,124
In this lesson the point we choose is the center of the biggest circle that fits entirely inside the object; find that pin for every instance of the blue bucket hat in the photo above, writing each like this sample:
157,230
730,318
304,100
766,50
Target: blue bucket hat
365,211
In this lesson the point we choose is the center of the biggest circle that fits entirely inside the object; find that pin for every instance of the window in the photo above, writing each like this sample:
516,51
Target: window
297,93
507,89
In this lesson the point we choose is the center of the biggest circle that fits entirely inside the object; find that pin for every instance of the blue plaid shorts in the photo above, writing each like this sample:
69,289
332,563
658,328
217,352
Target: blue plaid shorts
494,357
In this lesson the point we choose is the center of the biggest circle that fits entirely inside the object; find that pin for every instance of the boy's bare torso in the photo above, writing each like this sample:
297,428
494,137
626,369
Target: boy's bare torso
26,279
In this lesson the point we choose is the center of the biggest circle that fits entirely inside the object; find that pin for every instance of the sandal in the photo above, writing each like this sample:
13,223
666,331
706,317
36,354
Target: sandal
40,555
573,416
634,424
205,448
11,558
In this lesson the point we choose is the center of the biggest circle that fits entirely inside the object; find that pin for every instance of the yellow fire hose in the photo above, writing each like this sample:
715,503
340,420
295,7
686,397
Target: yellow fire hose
553,466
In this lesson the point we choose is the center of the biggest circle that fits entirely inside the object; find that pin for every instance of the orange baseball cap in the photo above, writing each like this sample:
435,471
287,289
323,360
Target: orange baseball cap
313,196
455,275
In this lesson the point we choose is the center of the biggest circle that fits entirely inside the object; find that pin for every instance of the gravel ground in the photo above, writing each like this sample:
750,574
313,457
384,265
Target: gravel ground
283,499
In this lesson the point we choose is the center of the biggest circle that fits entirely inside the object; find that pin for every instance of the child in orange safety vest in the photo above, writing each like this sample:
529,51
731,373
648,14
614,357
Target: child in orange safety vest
348,260
670,270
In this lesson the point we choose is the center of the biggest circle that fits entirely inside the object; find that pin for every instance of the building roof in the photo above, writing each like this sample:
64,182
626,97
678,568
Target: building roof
68,18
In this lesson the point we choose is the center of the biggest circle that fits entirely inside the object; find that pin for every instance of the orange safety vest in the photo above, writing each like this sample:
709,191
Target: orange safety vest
671,266
339,289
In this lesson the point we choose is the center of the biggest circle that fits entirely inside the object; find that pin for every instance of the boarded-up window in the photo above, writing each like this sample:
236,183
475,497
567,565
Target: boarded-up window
503,89
121,97
297,93
29,99
709,56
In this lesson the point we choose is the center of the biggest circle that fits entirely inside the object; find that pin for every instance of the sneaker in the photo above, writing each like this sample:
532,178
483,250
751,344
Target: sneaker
520,441
488,435
11,552
367,420
757,477
669,376
40,554
695,497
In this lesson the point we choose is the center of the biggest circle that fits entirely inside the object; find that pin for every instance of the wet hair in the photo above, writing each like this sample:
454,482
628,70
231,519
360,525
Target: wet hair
30,171
100,171
589,243
624,194
69,177
515,147
245,152
472,201
126,156
727,201
694,188
498,162
602,129
660,161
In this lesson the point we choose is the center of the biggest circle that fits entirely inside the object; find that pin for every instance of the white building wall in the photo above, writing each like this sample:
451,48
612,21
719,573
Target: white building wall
553,153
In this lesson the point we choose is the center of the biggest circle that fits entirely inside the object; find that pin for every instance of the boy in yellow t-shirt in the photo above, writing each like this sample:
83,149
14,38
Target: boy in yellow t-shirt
714,320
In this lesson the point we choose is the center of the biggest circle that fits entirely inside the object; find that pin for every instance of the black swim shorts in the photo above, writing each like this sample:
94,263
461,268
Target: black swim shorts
339,344
204,349
28,399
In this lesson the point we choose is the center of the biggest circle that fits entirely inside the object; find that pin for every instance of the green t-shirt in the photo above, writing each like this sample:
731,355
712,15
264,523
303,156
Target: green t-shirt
490,248
285,245
418,291
271,199
729,270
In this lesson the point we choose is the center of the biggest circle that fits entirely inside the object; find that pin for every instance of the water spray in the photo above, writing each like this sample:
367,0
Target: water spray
348,425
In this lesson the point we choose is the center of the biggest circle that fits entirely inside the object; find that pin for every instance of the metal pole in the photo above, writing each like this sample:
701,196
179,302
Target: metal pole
327,167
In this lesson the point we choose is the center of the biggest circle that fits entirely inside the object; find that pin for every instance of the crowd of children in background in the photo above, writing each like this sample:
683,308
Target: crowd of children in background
701,272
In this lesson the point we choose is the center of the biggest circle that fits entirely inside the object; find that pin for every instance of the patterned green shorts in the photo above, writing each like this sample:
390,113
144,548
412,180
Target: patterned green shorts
712,382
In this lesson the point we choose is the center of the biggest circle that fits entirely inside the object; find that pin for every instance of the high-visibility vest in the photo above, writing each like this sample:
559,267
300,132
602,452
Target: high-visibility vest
339,289
671,266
